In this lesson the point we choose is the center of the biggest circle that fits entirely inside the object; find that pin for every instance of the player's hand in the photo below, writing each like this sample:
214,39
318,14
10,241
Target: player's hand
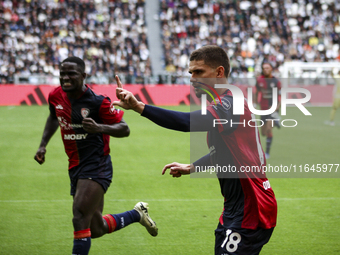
127,99
40,155
91,126
177,169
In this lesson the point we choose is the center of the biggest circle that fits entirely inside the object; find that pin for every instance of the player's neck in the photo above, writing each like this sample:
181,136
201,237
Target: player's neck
221,91
78,93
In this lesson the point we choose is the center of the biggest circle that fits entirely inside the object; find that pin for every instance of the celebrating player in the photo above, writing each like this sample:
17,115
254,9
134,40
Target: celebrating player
250,208
264,85
87,121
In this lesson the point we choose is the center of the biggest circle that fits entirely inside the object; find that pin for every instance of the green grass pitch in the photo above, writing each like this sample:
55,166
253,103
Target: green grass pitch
35,205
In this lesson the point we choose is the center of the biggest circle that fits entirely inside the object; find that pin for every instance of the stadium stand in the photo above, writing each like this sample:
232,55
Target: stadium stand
112,36
37,35
251,31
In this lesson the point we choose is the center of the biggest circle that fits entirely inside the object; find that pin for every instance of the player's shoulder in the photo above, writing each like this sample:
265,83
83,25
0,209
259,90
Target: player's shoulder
99,100
260,77
276,78
93,93
56,91
277,82
260,80
224,102
95,96
56,94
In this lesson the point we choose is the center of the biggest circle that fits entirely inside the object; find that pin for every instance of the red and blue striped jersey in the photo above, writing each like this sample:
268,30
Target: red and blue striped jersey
83,149
234,143
264,86
249,200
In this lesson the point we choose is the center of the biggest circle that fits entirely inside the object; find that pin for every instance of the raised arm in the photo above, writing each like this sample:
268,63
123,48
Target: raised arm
50,127
180,121
127,99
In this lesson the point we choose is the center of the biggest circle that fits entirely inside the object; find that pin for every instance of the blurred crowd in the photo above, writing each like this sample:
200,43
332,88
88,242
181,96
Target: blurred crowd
110,35
251,32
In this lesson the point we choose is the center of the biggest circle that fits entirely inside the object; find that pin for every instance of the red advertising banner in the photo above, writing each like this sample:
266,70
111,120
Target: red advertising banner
150,94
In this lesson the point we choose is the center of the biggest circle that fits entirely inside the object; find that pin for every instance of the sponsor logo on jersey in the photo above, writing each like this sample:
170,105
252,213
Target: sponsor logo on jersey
63,123
84,112
76,125
267,94
226,104
75,136
59,107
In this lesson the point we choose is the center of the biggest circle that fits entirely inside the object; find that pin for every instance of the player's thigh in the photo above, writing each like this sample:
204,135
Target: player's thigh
229,241
336,103
89,198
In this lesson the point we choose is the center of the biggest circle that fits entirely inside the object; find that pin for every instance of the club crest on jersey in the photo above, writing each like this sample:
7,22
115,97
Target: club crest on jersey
84,112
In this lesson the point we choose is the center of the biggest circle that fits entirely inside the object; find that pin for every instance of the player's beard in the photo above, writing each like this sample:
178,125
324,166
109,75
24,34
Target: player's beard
198,92
203,84
197,89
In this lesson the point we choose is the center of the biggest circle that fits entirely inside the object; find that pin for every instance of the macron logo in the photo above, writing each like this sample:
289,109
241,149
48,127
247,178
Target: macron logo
59,106
75,136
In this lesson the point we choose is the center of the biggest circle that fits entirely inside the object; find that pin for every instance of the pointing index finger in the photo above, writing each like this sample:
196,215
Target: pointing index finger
168,166
119,83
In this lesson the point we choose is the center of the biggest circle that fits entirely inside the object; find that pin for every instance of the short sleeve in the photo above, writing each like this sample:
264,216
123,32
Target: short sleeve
279,85
108,113
52,109
257,85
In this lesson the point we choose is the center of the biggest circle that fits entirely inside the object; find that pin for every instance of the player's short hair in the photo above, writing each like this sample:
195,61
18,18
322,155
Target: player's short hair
213,56
267,62
80,63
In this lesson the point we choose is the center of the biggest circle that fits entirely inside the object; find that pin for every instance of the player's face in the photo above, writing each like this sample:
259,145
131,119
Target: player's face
201,73
267,70
71,77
